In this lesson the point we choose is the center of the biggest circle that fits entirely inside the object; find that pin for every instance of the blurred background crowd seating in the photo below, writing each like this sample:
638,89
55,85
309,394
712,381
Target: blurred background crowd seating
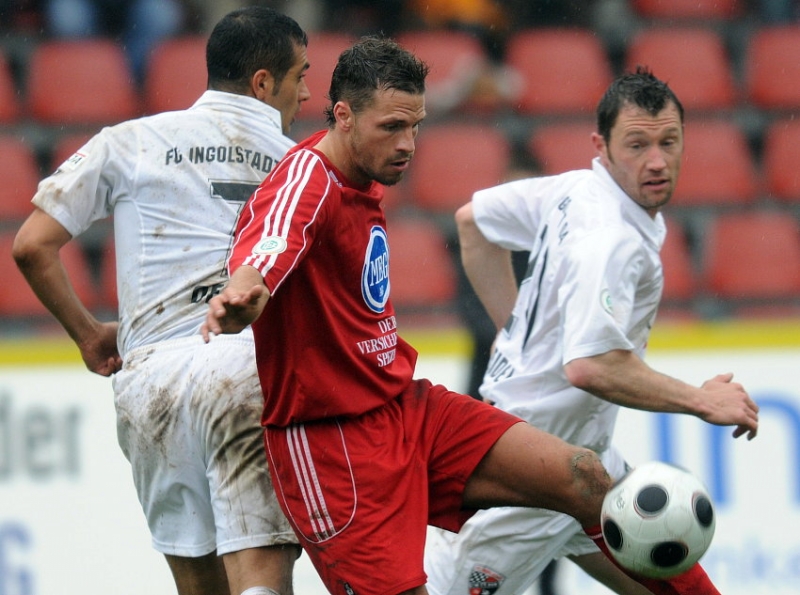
512,93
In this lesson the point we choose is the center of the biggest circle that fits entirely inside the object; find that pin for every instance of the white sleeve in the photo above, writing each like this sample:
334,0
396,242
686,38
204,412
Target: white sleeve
80,191
509,214
601,275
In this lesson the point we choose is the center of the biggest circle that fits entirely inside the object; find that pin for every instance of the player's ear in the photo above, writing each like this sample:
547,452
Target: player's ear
262,84
601,146
343,115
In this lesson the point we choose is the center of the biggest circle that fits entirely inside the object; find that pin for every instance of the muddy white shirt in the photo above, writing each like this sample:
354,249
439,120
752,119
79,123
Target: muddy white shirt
593,285
174,183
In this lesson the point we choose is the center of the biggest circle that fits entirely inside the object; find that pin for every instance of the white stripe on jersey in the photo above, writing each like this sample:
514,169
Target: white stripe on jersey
278,221
308,481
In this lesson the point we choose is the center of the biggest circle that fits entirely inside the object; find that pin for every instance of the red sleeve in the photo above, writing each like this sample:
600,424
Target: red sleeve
279,220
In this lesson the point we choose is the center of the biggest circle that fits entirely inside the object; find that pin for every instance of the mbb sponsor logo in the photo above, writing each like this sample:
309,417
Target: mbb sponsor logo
375,274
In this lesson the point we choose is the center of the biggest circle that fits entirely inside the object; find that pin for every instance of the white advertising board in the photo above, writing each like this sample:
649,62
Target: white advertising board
70,522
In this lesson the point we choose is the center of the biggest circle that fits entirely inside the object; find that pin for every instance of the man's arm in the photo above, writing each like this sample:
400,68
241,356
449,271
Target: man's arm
36,252
488,268
622,377
238,305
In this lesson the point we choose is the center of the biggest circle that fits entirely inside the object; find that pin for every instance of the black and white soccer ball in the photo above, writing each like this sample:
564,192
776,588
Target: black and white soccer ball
658,520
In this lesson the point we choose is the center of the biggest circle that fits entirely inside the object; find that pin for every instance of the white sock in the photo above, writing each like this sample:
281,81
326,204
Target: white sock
260,591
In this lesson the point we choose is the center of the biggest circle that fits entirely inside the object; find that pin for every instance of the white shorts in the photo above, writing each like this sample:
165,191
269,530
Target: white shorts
188,420
502,551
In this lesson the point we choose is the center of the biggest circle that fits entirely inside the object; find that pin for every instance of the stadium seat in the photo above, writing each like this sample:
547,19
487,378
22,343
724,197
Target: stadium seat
688,9
781,156
564,71
718,168
772,68
421,270
176,74
9,104
753,255
563,146
80,82
680,279
454,57
21,302
323,52
19,173
454,160
693,61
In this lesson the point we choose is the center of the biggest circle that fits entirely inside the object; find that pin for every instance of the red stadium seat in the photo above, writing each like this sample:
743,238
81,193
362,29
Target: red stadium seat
9,104
19,173
21,302
688,9
80,82
772,68
781,156
176,74
693,61
563,147
454,58
323,52
564,71
717,166
454,160
753,255
680,278
421,270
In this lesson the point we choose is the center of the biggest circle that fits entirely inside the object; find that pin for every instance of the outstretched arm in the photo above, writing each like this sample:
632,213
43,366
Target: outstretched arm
36,251
239,304
488,268
622,377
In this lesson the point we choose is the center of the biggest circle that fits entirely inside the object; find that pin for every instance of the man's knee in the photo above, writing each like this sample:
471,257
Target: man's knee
591,482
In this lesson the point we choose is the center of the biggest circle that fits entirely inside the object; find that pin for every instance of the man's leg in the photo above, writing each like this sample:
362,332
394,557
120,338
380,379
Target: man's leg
198,576
262,567
233,573
529,467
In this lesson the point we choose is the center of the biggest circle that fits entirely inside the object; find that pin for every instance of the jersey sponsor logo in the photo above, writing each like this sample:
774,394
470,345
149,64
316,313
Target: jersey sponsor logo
375,274
484,581
270,245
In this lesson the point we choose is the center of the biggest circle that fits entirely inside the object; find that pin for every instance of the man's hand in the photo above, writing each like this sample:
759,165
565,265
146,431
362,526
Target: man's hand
99,352
232,310
727,403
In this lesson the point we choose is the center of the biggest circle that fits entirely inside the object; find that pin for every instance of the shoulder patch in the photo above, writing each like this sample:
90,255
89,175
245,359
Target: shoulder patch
270,245
73,162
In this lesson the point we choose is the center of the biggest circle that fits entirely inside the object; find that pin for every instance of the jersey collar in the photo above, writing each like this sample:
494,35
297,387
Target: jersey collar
225,100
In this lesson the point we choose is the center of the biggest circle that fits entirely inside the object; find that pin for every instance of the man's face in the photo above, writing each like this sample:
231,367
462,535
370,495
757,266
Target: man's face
643,154
381,138
292,90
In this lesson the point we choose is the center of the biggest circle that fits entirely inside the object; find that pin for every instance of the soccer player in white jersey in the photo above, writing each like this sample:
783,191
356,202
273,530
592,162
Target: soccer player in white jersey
571,341
187,412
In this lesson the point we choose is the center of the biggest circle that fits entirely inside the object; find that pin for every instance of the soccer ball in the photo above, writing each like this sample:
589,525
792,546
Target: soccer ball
658,520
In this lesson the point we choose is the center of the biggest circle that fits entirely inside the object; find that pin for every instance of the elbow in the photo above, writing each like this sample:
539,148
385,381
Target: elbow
23,251
582,374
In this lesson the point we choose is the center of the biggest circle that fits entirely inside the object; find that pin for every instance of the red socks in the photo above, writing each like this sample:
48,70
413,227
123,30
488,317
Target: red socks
694,581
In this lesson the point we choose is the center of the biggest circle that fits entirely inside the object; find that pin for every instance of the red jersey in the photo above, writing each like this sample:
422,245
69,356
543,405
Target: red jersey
327,342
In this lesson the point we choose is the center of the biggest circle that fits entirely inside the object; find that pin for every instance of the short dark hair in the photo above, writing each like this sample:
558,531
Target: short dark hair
373,63
247,40
640,88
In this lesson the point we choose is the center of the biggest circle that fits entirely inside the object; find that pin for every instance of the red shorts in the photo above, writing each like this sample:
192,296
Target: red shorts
360,492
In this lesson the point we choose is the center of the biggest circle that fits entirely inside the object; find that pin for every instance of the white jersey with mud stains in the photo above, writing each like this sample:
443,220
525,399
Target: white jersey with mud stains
172,238
593,285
